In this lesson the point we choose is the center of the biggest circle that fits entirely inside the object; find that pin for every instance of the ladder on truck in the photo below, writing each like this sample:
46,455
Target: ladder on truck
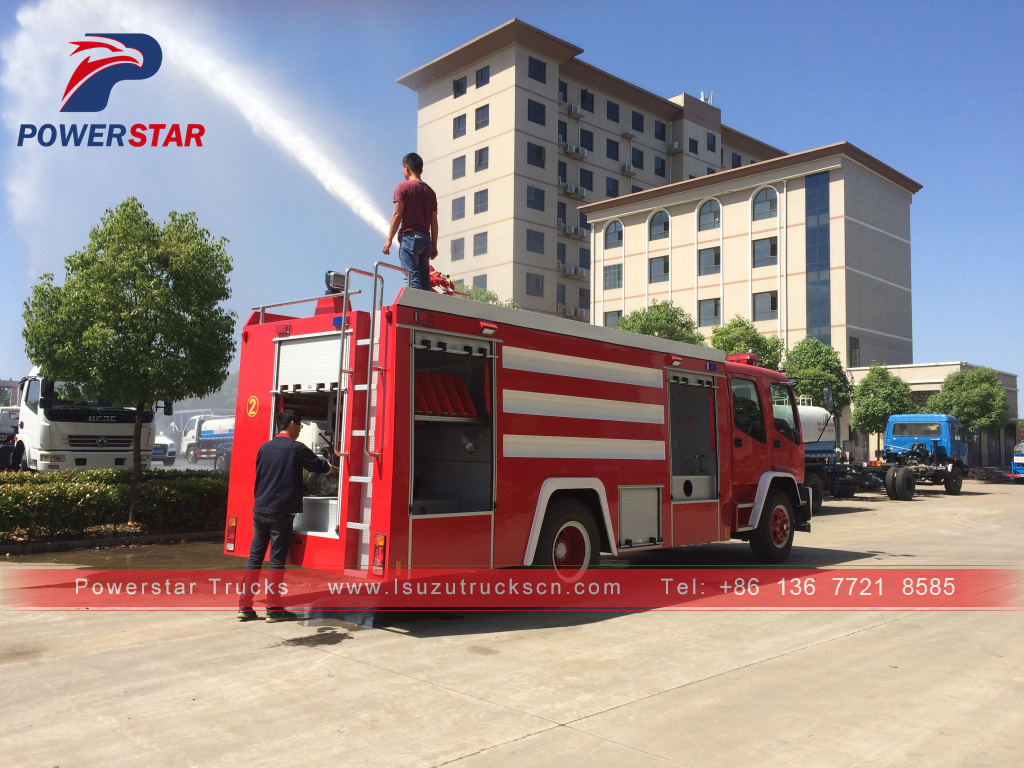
366,380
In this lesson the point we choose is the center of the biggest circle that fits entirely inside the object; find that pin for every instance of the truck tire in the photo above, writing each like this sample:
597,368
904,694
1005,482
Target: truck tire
890,483
221,462
954,481
773,537
906,483
569,540
191,455
817,487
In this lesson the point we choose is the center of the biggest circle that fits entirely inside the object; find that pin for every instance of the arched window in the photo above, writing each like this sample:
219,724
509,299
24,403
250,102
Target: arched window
710,215
613,235
659,225
766,204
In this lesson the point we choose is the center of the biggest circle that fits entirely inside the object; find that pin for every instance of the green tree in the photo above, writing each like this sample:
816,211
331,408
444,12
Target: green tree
485,296
880,395
139,316
5,397
664,320
817,365
975,397
739,335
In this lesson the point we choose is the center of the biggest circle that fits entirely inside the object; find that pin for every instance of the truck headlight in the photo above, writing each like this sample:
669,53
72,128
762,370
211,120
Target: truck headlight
58,457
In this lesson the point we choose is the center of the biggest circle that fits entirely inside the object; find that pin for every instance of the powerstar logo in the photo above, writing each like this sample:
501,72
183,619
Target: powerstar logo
108,59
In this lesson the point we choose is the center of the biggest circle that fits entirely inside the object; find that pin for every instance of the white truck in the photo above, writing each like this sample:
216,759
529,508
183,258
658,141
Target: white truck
61,433
8,421
202,435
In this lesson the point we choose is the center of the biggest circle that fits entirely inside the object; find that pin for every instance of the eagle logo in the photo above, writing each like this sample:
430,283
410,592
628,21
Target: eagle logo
109,59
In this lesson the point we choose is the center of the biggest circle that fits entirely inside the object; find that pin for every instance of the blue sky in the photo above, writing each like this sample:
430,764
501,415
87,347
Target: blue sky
933,89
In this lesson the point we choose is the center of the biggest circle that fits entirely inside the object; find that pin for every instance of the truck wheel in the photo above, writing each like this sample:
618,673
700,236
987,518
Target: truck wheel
906,483
191,456
569,540
220,462
773,537
817,492
954,481
890,483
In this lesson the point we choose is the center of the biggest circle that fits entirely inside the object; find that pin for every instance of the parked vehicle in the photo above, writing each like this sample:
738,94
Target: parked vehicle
1017,468
222,459
164,449
479,435
8,421
202,435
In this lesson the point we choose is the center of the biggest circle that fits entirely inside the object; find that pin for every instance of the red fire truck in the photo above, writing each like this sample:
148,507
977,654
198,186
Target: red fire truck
478,435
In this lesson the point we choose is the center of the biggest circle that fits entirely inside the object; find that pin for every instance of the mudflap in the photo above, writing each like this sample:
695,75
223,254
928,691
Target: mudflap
802,513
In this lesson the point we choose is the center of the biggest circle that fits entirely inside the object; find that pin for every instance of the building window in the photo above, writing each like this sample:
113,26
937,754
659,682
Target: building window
612,276
458,249
693,147
584,300
534,241
534,284
819,286
635,188
563,92
659,166
854,352
587,179
479,243
659,226
766,252
480,201
613,235
710,170
483,116
613,111
710,215
584,224
481,158
611,319
658,270
459,87
711,142
736,162
538,70
638,158
587,139
563,132
659,130
480,281
560,213
766,305
483,76
766,204
587,100
612,149
535,155
458,167
535,198
560,258
458,126
710,260
563,172
560,293
584,258
535,112
710,312
458,208
611,187
638,122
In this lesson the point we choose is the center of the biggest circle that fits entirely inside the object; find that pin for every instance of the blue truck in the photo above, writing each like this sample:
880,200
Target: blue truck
919,448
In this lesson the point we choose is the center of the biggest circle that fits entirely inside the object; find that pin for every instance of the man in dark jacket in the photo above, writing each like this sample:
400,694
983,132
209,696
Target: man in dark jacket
276,500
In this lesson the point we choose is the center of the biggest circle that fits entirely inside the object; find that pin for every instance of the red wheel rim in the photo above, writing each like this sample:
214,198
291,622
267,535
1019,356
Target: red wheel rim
570,551
780,526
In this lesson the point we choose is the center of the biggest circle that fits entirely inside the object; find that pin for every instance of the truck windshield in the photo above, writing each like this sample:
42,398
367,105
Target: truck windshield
916,429
63,399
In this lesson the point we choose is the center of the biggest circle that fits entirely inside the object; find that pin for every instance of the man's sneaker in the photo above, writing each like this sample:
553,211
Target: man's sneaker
247,614
280,614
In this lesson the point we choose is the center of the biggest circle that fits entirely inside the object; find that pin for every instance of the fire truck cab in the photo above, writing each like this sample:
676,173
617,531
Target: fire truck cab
476,435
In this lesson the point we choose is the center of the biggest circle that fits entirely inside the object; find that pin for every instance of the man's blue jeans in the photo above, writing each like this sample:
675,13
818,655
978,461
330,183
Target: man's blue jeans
277,534
414,256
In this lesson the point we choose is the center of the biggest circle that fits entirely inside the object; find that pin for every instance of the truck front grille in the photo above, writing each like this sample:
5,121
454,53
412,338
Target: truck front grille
100,442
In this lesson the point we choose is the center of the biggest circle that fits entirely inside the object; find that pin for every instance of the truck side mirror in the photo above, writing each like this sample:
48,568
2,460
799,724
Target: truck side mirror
46,394
826,396
168,408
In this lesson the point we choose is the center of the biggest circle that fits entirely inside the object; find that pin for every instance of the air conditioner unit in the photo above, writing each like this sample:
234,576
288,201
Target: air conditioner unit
571,311
561,98
674,148
569,271
579,314
559,308
575,111
573,190
560,223
583,273
627,169
570,231
573,151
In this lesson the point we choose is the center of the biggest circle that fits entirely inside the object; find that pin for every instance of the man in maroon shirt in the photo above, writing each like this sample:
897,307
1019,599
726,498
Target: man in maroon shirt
415,221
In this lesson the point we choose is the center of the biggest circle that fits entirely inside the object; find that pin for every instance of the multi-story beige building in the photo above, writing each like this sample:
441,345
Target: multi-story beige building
517,133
